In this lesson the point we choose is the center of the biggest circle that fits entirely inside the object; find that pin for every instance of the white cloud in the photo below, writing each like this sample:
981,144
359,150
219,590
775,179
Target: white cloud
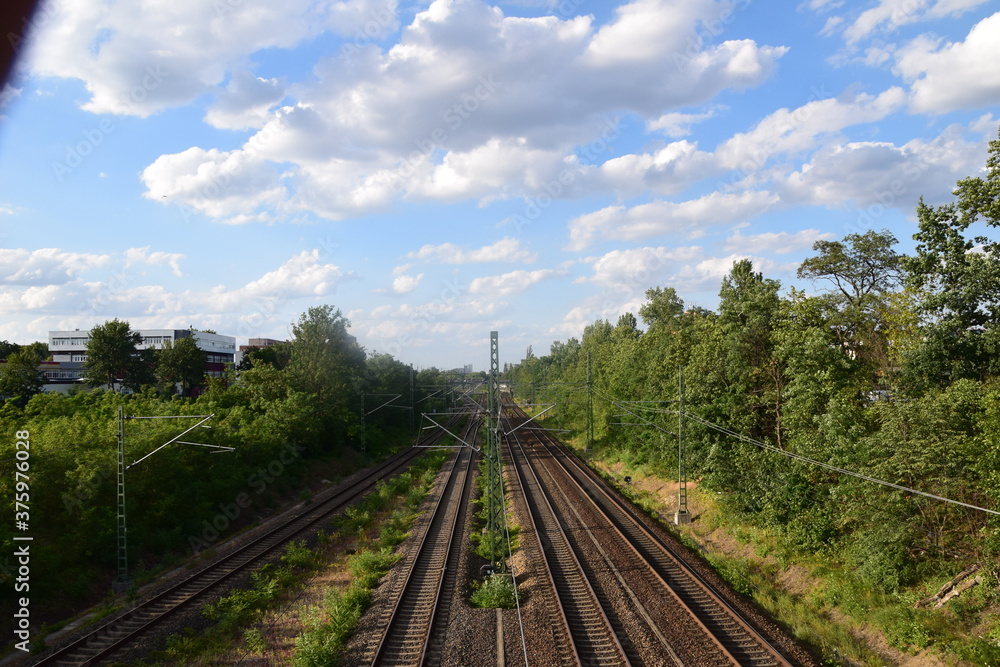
636,269
302,275
233,187
510,283
659,218
404,284
245,102
504,250
144,256
791,132
676,125
47,266
139,58
956,75
779,243
886,16
880,173
468,103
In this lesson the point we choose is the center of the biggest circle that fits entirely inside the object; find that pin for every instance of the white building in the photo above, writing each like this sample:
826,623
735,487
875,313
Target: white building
69,350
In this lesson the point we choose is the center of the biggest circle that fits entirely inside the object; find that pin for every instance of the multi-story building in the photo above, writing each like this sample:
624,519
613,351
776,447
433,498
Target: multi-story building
255,344
69,351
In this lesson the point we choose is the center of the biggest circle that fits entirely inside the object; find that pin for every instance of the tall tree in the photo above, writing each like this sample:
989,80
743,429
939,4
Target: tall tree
662,307
20,378
327,362
181,363
113,357
749,312
864,272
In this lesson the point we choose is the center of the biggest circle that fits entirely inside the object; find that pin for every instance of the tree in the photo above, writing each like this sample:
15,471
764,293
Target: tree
7,348
113,357
865,272
862,267
662,306
277,355
749,313
958,280
181,363
20,378
327,361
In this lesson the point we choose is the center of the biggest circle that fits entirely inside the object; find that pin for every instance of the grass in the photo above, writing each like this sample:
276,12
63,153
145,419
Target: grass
325,637
237,616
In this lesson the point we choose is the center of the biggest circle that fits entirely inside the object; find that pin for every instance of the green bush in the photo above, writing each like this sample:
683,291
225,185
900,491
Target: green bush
496,592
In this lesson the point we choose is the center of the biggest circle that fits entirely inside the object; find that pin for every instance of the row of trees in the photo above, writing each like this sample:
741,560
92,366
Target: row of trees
290,409
889,370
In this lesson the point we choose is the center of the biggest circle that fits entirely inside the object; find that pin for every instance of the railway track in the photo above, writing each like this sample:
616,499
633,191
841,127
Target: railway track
593,639
415,630
584,498
111,638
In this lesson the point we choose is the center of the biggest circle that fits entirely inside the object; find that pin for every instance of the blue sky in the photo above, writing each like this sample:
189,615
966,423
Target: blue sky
440,170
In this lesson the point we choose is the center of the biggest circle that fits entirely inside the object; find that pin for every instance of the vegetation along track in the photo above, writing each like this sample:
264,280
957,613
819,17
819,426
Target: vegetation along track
645,568
415,629
127,628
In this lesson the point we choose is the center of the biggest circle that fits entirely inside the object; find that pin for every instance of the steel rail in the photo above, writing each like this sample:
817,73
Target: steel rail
128,626
406,635
594,640
653,549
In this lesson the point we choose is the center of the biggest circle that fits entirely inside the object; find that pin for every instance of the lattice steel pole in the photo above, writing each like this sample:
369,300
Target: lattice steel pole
494,459
590,406
121,581
682,516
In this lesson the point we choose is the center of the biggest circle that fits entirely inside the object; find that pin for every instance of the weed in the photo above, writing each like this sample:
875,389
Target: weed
496,592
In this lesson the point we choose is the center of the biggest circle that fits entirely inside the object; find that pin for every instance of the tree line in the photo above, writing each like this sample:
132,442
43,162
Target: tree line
290,409
890,369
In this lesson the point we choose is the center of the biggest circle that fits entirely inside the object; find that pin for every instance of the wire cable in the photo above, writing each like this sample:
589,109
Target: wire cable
843,471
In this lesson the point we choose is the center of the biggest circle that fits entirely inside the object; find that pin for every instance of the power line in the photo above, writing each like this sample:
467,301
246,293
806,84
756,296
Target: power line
843,471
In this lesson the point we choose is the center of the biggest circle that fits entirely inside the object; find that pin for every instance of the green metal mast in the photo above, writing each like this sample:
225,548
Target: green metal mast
494,460
682,516
121,581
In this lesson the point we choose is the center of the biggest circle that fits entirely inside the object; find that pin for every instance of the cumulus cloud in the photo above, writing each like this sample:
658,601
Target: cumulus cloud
884,174
956,75
658,218
139,58
245,101
135,256
778,243
302,275
887,16
230,186
794,131
676,124
504,250
404,284
469,103
513,282
45,267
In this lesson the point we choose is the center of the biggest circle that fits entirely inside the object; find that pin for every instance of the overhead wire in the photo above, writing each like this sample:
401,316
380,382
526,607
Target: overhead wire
799,457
